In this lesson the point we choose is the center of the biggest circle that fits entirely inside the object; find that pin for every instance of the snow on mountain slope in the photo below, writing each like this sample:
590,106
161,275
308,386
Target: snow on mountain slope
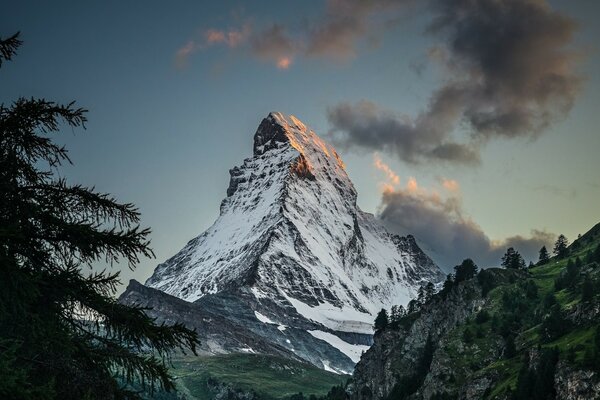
290,231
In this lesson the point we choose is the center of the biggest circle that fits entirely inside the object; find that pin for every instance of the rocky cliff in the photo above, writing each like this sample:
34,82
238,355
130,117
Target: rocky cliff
502,334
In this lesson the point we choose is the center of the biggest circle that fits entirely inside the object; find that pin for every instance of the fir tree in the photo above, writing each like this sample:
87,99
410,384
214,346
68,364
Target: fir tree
381,321
510,350
465,271
560,247
63,335
512,259
544,256
587,289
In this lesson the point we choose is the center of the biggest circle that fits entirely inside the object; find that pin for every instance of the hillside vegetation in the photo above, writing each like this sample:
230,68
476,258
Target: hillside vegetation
516,333
249,376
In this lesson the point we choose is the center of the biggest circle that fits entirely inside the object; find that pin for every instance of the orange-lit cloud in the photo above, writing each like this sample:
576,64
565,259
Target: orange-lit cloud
392,177
184,53
232,38
412,185
450,185
343,27
284,63
438,221
211,37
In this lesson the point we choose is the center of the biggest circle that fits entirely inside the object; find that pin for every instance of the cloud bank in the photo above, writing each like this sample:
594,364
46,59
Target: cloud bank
510,72
437,219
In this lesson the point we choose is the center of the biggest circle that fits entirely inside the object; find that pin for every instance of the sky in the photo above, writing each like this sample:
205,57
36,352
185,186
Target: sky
471,124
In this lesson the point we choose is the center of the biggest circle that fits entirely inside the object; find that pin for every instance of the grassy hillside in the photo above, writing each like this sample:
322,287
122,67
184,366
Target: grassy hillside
534,312
266,376
517,332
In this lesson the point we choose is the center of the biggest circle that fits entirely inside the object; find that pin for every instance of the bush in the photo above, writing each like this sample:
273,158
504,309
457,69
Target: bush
482,317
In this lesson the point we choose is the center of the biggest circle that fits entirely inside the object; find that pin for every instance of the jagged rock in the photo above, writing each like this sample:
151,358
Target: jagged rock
396,352
574,384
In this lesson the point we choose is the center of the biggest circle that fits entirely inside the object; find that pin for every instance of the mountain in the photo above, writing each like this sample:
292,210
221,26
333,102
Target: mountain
291,261
502,334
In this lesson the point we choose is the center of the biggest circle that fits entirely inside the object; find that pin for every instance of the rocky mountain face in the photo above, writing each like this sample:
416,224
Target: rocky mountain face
291,262
502,334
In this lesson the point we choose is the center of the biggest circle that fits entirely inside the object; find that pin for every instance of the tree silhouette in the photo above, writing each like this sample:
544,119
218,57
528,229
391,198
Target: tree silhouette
512,259
381,321
560,247
466,270
544,256
63,335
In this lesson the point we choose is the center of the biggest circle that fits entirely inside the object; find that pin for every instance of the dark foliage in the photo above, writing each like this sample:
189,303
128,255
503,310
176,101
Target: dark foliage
486,281
568,278
531,289
63,335
468,335
482,317
335,393
408,385
512,259
443,396
510,350
381,321
561,247
588,289
554,325
538,383
447,287
544,256
8,47
465,271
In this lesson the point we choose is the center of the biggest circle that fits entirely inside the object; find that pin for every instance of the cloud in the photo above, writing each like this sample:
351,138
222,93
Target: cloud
275,45
392,178
346,23
437,219
211,37
509,72
366,125
335,35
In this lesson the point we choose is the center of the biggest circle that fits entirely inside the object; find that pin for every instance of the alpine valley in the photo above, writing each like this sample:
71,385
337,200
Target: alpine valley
291,268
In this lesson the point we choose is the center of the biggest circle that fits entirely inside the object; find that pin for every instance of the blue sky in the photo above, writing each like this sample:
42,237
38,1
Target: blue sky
163,134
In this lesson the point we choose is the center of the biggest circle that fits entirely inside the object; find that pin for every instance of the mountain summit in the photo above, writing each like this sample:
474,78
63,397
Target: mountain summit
292,246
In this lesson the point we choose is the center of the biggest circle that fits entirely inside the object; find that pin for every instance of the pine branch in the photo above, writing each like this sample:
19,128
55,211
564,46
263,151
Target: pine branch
9,46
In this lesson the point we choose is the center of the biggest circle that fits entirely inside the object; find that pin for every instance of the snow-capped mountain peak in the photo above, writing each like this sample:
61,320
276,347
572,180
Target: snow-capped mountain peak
290,231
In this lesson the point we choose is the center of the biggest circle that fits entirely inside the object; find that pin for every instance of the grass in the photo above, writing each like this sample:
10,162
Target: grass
579,339
508,370
270,377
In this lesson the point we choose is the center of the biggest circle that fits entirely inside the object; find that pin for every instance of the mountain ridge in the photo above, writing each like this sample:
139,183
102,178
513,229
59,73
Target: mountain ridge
292,252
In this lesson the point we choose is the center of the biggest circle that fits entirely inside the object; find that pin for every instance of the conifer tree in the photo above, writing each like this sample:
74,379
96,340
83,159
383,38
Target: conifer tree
512,259
381,321
560,247
63,335
544,256
466,270
587,289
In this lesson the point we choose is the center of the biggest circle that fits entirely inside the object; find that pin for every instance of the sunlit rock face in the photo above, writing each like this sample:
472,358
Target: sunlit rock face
291,242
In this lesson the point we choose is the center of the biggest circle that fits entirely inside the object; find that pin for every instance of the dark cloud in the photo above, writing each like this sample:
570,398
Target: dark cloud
440,225
509,73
